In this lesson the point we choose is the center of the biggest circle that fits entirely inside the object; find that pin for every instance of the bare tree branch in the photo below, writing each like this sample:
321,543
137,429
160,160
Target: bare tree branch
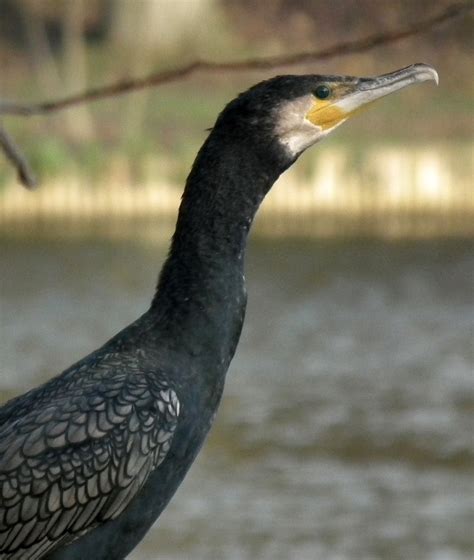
14,155
266,63
25,175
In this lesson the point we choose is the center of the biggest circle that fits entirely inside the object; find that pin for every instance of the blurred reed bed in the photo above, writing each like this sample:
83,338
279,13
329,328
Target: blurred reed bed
383,191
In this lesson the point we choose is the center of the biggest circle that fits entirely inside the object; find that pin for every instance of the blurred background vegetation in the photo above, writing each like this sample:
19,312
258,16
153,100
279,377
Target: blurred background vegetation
148,139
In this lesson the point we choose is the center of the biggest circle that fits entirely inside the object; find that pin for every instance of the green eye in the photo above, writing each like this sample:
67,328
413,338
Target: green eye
322,92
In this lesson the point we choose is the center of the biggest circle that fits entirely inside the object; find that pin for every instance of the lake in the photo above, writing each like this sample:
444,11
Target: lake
345,432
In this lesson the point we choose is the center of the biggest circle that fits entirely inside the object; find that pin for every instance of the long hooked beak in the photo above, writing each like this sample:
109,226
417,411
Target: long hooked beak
368,90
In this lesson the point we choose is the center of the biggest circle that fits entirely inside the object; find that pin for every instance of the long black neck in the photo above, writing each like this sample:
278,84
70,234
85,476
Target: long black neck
227,183
200,290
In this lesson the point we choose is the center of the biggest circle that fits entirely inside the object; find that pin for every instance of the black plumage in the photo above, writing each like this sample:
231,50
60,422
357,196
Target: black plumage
89,459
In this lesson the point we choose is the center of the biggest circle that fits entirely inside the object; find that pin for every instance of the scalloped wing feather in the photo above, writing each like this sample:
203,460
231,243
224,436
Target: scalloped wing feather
78,459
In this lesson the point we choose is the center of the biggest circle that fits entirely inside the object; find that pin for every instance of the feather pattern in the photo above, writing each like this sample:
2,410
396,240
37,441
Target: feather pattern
80,454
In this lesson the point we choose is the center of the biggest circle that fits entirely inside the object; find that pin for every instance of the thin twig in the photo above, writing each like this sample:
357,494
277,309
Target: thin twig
14,155
25,175
266,63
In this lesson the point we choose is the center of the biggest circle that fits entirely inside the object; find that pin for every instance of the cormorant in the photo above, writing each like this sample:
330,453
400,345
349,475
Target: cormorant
89,460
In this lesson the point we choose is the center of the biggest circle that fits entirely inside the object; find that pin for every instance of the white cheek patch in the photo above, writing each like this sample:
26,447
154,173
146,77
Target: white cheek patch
293,130
301,137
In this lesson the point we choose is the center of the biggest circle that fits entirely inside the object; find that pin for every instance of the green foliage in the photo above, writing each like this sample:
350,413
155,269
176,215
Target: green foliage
5,176
50,156
91,158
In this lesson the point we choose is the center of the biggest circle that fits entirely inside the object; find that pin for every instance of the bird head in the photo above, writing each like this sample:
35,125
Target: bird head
298,111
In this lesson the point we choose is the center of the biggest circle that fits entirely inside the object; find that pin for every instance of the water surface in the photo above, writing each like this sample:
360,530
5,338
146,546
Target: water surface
346,428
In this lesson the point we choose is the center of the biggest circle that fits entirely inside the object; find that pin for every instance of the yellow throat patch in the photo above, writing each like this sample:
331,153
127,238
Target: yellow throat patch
326,115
